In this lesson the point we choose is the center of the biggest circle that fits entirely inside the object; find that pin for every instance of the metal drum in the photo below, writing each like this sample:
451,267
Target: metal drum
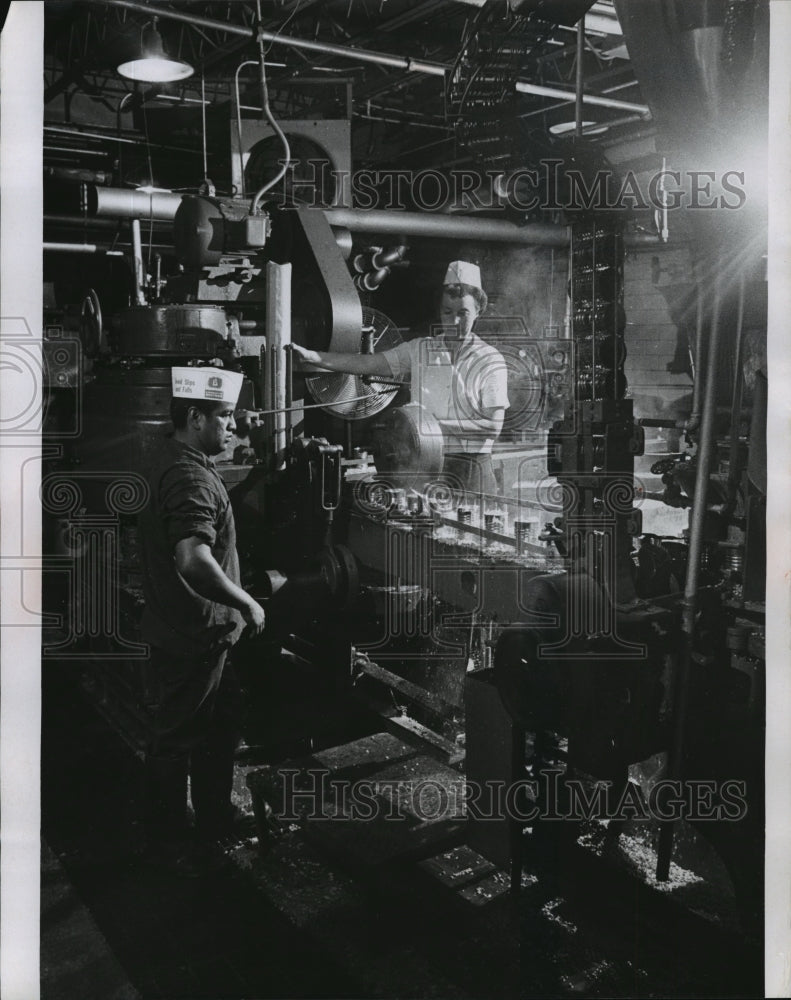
125,416
408,441
173,330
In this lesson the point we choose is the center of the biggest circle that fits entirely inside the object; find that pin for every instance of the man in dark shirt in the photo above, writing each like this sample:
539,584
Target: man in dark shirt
194,611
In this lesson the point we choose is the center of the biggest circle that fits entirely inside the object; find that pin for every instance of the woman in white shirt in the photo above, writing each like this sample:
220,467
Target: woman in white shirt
459,378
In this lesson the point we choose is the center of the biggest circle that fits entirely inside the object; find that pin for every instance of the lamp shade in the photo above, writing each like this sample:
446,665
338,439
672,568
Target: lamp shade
152,64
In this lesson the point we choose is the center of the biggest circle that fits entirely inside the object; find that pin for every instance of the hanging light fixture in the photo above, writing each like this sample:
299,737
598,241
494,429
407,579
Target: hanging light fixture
152,64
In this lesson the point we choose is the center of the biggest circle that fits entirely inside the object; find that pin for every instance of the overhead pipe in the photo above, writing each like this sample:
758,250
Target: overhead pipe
425,224
82,248
123,203
273,37
597,100
115,138
161,206
358,55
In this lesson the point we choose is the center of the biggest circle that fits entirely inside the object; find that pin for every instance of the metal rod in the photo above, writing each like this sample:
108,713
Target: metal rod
289,396
447,226
597,100
115,137
738,384
700,351
578,94
137,254
706,448
81,248
278,328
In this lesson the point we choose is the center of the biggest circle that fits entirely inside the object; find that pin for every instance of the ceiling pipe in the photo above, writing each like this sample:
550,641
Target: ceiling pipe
597,100
359,55
272,37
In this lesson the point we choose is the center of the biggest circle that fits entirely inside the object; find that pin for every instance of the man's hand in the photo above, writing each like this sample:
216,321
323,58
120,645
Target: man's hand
254,617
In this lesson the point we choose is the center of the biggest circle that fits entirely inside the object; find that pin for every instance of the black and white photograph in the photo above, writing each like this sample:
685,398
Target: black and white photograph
395,427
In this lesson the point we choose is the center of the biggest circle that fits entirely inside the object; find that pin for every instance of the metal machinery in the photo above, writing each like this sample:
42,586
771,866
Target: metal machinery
592,646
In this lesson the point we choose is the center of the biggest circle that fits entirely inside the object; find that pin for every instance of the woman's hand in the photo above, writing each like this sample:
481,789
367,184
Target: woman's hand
311,357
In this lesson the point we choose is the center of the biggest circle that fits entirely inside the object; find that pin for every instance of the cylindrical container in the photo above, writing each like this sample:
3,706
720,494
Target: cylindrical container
464,516
414,504
493,521
523,532
398,501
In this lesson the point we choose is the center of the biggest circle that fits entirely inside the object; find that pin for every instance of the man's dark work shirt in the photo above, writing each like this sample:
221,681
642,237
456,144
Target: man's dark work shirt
188,499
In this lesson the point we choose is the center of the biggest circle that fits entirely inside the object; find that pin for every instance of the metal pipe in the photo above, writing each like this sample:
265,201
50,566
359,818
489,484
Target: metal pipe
137,261
358,55
578,90
120,203
698,380
81,248
325,48
115,137
80,220
278,328
289,396
706,449
161,206
74,150
738,383
77,174
597,100
447,227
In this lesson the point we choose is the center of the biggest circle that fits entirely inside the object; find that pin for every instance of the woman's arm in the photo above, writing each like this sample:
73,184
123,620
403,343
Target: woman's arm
353,364
489,424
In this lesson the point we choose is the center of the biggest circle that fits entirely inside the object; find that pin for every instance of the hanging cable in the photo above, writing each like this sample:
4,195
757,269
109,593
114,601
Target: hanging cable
255,207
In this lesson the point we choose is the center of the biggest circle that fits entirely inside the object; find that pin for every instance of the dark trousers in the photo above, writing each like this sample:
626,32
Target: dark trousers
194,732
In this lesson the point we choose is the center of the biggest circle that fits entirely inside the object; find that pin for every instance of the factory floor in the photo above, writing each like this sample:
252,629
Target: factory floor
111,929
298,923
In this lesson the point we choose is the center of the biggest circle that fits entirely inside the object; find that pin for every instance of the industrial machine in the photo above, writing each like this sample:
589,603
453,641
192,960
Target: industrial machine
605,645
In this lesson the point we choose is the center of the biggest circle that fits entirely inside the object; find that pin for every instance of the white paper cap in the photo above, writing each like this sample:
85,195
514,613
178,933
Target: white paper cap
462,272
214,384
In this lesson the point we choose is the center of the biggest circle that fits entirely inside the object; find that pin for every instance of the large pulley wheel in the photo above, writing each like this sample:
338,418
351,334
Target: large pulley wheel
408,439
91,324
354,397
